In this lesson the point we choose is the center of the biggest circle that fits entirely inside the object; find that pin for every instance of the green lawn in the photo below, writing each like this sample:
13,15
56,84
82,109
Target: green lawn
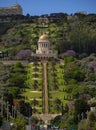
30,94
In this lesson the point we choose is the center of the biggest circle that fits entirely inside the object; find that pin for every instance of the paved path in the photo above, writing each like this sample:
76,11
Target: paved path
45,88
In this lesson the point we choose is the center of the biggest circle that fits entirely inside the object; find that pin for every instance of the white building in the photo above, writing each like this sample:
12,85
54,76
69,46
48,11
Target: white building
43,49
16,9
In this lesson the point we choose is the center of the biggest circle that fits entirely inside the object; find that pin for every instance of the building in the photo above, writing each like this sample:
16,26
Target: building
42,20
82,12
43,49
16,9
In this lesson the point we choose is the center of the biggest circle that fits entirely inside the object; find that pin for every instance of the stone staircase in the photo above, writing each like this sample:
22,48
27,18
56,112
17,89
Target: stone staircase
45,88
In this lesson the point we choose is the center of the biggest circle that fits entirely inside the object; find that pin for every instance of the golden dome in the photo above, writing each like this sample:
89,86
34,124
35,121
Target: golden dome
44,37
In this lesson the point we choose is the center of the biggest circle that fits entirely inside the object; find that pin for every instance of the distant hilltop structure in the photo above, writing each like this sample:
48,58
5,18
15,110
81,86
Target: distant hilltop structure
75,16
16,9
82,12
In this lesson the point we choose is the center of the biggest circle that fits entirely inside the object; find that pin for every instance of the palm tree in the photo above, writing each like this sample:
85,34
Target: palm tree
57,102
34,103
35,85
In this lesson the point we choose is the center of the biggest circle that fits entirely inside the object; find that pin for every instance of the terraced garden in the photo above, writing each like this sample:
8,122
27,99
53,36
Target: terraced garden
56,87
57,94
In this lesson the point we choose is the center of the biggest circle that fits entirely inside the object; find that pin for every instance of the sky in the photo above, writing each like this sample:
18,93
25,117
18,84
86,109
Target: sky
39,7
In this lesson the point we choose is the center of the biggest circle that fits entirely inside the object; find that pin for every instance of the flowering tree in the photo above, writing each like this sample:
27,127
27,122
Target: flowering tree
92,64
23,54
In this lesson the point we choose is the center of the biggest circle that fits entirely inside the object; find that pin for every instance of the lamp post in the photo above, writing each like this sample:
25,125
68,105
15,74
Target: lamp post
2,105
2,100
62,109
7,110
14,112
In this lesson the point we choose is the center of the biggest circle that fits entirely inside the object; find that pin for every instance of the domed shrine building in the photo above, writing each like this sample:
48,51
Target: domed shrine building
44,49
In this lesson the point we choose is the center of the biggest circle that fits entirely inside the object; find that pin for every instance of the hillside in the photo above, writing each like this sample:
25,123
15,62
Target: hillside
44,85
77,33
